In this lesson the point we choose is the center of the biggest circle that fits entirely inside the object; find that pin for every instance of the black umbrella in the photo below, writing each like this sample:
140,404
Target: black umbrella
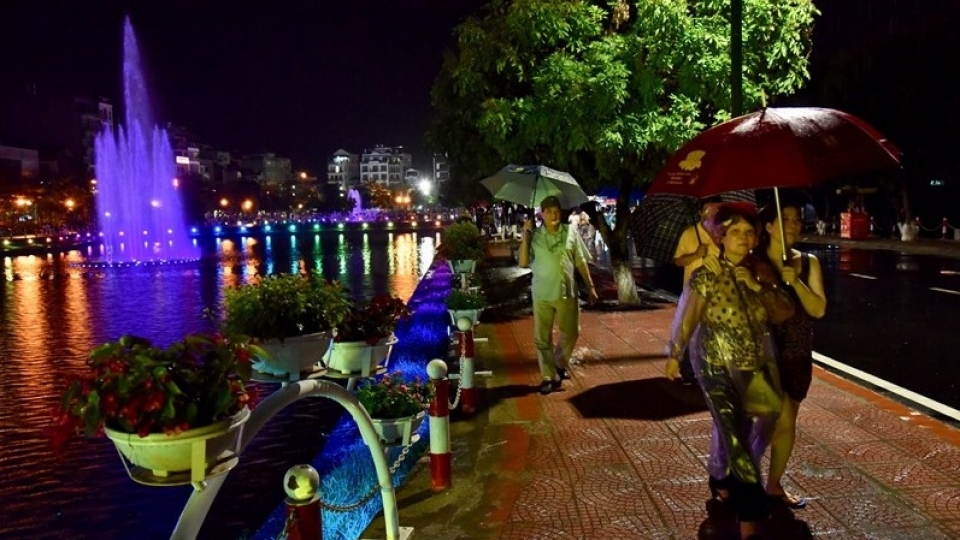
659,221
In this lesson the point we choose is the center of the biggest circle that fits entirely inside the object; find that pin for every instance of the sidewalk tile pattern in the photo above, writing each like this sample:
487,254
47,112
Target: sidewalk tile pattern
620,452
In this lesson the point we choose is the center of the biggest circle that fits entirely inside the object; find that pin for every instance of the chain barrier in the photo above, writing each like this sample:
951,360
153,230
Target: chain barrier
456,399
943,228
369,495
922,228
290,522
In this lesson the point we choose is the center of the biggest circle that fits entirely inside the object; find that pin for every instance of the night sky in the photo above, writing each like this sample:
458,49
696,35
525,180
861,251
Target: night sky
305,77
298,77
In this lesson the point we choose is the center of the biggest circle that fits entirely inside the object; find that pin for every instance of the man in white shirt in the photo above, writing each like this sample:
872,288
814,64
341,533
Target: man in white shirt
553,253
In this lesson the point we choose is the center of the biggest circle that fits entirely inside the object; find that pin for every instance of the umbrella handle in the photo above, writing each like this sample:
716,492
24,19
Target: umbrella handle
783,242
533,195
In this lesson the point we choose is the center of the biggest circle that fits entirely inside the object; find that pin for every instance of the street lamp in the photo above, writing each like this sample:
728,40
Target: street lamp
425,187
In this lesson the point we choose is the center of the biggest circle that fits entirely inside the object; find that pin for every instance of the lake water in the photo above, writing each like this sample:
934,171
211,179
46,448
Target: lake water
53,311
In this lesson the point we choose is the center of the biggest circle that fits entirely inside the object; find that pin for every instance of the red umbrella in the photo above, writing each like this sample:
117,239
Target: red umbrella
776,147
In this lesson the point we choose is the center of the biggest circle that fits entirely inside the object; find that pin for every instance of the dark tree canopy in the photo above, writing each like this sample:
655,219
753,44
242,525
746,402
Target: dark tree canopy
606,89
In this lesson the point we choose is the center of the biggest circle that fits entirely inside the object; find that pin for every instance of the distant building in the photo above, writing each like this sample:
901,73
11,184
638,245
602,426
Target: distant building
441,168
63,127
186,152
411,177
268,169
384,165
343,169
18,166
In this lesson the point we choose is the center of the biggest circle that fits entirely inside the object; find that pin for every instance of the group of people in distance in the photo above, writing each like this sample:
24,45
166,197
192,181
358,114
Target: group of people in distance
743,331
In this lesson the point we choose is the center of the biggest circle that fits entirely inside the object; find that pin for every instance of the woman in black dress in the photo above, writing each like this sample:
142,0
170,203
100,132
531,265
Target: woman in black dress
800,275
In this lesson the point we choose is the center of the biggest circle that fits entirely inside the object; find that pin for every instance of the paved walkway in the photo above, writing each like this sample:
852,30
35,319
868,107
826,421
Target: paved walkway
619,453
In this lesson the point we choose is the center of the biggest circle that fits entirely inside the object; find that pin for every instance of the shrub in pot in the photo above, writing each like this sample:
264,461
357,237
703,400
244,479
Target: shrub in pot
364,337
135,387
462,242
465,303
167,409
396,405
289,316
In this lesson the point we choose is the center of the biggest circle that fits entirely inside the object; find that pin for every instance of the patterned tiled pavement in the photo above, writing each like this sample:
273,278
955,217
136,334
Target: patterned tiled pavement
619,453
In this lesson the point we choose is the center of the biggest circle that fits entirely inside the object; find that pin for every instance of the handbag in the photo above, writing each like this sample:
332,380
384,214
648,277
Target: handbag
761,396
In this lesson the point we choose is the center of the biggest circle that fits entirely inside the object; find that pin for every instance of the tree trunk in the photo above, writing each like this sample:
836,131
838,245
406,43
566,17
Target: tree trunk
626,286
616,241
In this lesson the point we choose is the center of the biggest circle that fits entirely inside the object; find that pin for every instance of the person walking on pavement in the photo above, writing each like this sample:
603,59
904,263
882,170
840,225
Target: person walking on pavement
801,276
693,248
553,252
724,318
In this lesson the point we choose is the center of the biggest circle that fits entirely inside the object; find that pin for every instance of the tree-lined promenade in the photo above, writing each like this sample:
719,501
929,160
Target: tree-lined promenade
608,90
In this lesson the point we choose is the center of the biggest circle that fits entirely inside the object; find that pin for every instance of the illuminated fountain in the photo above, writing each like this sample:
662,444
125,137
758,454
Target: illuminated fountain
139,211
357,209
359,213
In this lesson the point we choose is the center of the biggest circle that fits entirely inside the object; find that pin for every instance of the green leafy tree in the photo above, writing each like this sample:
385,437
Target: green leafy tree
606,89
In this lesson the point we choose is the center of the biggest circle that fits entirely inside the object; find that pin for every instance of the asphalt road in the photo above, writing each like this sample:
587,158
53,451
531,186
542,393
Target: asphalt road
895,316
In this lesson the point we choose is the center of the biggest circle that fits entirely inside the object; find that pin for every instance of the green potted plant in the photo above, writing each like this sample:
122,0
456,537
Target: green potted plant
289,316
158,403
396,405
463,246
363,338
468,303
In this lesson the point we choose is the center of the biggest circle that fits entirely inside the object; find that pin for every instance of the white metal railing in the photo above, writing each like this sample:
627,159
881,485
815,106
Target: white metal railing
200,501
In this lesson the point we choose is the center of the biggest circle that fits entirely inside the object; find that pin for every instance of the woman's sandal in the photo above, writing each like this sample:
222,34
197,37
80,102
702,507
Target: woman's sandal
788,500
719,489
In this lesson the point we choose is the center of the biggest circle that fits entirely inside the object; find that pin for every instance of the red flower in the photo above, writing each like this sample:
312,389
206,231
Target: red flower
134,387
372,322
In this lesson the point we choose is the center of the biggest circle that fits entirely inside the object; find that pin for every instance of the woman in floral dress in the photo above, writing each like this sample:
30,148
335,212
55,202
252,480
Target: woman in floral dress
723,317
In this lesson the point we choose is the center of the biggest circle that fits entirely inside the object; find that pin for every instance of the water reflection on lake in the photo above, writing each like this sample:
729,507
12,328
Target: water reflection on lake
52,312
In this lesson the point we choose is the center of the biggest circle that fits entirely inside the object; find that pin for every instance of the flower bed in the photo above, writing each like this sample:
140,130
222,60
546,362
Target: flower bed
345,461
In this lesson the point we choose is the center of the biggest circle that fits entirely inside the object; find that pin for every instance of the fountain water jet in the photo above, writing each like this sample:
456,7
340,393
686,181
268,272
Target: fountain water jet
138,206
357,209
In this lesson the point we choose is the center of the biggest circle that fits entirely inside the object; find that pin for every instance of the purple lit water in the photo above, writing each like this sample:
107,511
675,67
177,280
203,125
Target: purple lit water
139,210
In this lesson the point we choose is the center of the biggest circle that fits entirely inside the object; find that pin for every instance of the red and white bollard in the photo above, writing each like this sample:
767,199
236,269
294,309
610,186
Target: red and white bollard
943,229
441,459
469,396
303,503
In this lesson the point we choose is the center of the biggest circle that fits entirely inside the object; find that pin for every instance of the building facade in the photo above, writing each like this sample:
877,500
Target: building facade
343,169
384,165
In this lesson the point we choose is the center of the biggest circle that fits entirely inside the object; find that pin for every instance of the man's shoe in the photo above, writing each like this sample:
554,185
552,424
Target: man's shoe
547,387
562,374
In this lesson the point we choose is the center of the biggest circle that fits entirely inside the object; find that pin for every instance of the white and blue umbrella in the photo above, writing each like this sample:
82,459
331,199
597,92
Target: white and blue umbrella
527,185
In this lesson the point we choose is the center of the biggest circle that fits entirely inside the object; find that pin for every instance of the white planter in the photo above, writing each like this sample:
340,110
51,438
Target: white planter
195,451
463,266
293,356
358,357
472,314
398,431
